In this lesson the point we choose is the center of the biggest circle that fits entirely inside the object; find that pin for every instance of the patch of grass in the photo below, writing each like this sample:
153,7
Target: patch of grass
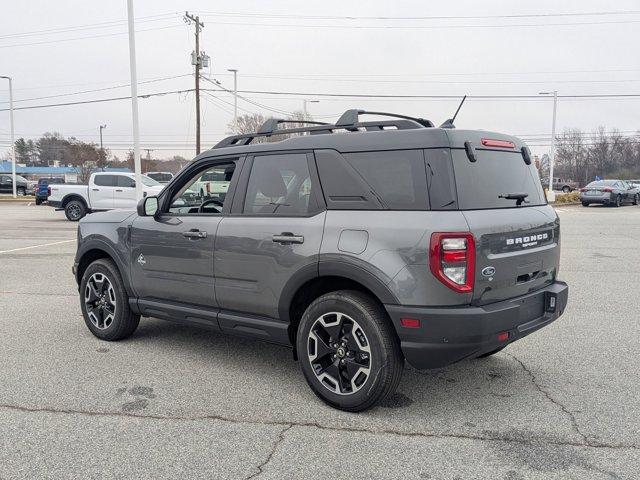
573,197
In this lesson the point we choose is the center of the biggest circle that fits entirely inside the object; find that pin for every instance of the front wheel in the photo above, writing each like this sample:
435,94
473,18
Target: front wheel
585,204
75,210
348,350
21,191
636,199
618,201
566,189
105,303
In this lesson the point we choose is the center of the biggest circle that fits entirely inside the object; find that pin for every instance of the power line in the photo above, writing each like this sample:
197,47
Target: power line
430,17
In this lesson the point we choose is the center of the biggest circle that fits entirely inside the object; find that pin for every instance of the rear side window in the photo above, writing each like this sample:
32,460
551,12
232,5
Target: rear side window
396,177
105,180
481,184
280,185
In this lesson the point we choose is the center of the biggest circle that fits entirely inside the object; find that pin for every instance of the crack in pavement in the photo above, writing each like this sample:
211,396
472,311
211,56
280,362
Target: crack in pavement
274,448
222,418
563,408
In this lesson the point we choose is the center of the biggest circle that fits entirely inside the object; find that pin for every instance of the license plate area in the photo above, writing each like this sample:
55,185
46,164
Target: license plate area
532,307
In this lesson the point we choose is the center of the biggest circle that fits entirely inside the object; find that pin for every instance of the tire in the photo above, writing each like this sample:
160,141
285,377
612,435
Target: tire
370,359
566,189
493,352
38,201
618,201
636,199
75,210
104,302
585,204
21,191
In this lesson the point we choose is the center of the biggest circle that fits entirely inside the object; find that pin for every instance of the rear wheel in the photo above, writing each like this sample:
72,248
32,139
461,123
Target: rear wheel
38,201
75,210
618,202
636,199
566,189
105,303
348,351
21,191
585,204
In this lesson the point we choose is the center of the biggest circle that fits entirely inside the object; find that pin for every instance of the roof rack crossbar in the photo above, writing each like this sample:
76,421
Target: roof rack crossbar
318,128
271,125
352,116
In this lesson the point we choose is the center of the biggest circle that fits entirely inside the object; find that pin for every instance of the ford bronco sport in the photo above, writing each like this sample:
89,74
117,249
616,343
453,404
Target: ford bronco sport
360,244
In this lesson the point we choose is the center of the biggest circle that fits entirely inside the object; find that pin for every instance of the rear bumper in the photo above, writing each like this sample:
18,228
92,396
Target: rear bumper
449,334
55,204
604,199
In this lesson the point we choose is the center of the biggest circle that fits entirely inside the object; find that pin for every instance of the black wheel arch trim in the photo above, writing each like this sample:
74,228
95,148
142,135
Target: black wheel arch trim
348,269
98,244
73,196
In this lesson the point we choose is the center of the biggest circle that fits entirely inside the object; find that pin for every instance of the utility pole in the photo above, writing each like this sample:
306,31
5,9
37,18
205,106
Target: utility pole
551,196
134,100
235,99
102,127
196,60
13,141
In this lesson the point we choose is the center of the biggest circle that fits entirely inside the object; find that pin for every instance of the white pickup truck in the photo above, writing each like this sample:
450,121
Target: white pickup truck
106,191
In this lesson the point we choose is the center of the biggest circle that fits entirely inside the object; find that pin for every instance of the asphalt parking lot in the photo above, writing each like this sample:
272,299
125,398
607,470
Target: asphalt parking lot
175,401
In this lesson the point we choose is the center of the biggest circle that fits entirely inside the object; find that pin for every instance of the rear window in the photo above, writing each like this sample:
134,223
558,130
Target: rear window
160,177
480,184
105,180
397,177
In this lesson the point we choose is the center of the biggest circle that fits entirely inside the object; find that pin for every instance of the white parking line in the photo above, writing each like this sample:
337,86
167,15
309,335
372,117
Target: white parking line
37,246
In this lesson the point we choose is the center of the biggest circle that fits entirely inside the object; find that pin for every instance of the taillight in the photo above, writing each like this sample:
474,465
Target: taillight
452,259
607,189
490,142
208,190
49,191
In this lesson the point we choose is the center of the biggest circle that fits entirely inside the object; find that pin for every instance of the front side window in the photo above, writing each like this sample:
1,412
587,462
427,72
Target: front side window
279,185
126,182
205,192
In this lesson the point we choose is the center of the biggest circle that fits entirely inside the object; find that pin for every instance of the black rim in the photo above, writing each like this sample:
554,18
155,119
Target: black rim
74,210
100,301
339,353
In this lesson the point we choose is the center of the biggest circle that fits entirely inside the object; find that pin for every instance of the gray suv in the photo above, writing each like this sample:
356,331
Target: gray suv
359,244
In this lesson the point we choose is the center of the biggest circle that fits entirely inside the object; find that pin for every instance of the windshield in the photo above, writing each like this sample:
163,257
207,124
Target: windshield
496,180
149,182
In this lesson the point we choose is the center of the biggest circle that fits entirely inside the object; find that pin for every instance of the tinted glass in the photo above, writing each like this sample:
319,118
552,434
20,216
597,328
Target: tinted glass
279,185
398,177
192,196
160,177
105,180
126,182
480,184
441,183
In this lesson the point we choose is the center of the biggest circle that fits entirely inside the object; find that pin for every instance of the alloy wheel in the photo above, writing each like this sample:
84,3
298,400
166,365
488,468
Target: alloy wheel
339,353
74,211
100,301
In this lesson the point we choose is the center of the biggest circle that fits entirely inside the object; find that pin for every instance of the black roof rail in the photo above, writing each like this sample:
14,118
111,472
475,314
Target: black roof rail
352,116
270,127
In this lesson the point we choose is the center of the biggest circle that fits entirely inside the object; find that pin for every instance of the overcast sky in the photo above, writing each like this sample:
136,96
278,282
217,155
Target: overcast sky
293,46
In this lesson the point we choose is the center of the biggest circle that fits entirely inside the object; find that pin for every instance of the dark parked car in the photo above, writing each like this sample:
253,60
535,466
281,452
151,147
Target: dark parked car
42,190
6,184
609,192
360,245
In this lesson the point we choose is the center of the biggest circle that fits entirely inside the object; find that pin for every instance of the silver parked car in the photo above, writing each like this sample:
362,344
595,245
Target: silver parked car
609,192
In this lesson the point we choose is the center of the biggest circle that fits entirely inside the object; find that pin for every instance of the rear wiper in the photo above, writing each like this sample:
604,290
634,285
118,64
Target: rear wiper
515,196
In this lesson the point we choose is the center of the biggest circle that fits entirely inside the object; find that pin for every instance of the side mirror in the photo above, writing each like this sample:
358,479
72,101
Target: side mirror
148,207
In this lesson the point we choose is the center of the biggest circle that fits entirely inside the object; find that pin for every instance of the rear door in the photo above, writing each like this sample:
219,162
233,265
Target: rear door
274,231
517,246
102,190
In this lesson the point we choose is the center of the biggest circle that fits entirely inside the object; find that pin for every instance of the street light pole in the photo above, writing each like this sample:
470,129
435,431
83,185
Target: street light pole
235,98
13,142
304,106
551,196
101,148
134,101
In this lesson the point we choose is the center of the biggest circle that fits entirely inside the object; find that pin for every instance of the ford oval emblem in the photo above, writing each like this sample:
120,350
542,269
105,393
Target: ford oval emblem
488,271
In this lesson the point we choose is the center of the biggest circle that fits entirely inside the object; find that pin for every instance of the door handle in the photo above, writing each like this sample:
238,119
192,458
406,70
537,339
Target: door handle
117,190
194,234
287,237
95,189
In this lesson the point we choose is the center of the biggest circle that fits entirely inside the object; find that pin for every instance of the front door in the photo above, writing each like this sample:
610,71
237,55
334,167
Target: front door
101,191
124,195
172,253
274,231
